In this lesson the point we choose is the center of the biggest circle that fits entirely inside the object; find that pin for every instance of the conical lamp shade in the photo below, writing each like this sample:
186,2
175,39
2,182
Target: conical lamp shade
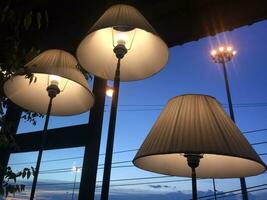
197,124
75,96
147,53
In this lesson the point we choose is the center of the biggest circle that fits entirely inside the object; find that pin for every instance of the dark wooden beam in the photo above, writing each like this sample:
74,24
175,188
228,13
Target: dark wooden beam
67,137
92,147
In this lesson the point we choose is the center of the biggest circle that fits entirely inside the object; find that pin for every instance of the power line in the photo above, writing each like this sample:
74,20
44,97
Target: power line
227,192
126,151
117,152
161,105
255,131
64,170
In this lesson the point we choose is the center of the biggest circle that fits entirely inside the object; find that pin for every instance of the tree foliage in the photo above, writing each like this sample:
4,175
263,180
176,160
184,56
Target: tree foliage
19,25
10,184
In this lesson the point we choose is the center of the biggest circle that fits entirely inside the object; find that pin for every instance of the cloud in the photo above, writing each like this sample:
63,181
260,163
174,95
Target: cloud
160,186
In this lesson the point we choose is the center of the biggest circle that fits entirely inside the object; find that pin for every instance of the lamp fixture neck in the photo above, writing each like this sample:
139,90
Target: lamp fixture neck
193,160
120,50
53,90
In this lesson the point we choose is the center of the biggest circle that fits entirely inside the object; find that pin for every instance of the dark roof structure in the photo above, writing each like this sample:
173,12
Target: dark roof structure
177,22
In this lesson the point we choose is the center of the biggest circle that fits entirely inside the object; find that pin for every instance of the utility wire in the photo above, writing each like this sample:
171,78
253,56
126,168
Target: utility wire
227,192
63,170
124,151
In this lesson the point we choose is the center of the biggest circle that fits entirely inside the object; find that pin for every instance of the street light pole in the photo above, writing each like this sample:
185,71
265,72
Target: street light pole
75,169
223,55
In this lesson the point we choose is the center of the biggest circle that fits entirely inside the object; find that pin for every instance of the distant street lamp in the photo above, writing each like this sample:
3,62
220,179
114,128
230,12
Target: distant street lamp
221,56
121,46
55,80
75,170
109,91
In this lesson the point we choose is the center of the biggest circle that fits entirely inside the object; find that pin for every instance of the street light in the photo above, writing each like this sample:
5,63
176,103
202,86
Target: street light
74,170
109,91
194,137
221,56
56,80
121,46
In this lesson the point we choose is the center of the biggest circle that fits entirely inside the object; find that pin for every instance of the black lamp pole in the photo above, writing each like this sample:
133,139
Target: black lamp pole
242,180
214,189
120,50
193,162
52,90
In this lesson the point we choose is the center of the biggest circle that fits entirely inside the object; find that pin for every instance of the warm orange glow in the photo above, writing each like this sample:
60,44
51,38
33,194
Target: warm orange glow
109,92
229,49
221,49
121,38
54,79
213,52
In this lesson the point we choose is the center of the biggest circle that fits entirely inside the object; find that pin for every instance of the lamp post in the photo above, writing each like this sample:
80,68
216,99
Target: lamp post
194,137
221,56
214,189
75,170
53,90
121,46
57,83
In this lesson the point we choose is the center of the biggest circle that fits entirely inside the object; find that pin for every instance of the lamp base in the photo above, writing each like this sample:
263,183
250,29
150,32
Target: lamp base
120,50
193,160
53,91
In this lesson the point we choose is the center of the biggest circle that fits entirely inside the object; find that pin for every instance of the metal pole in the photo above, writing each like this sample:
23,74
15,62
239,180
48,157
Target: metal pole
194,184
242,180
76,170
41,149
214,189
111,133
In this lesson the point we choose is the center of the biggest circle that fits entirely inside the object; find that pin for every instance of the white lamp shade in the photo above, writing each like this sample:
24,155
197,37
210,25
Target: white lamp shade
75,96
147,53
197,124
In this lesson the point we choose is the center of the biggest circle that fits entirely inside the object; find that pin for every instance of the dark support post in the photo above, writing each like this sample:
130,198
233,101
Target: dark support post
91,152
194,184
40,153
214,189
11,119
193,162
111,134
242,180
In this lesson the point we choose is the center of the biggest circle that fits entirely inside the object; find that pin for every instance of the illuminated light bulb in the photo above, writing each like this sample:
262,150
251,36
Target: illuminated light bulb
74,168
109,92
234,52
54,79
229,49
221,49
213,52
121,38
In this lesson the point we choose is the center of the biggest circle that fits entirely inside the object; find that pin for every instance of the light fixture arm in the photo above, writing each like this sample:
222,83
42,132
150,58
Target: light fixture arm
193,162
52,90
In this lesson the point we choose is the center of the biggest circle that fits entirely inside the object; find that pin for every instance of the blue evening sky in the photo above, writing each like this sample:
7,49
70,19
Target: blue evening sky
189,70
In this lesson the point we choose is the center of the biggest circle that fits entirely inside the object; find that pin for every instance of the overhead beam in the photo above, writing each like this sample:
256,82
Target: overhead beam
67,137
